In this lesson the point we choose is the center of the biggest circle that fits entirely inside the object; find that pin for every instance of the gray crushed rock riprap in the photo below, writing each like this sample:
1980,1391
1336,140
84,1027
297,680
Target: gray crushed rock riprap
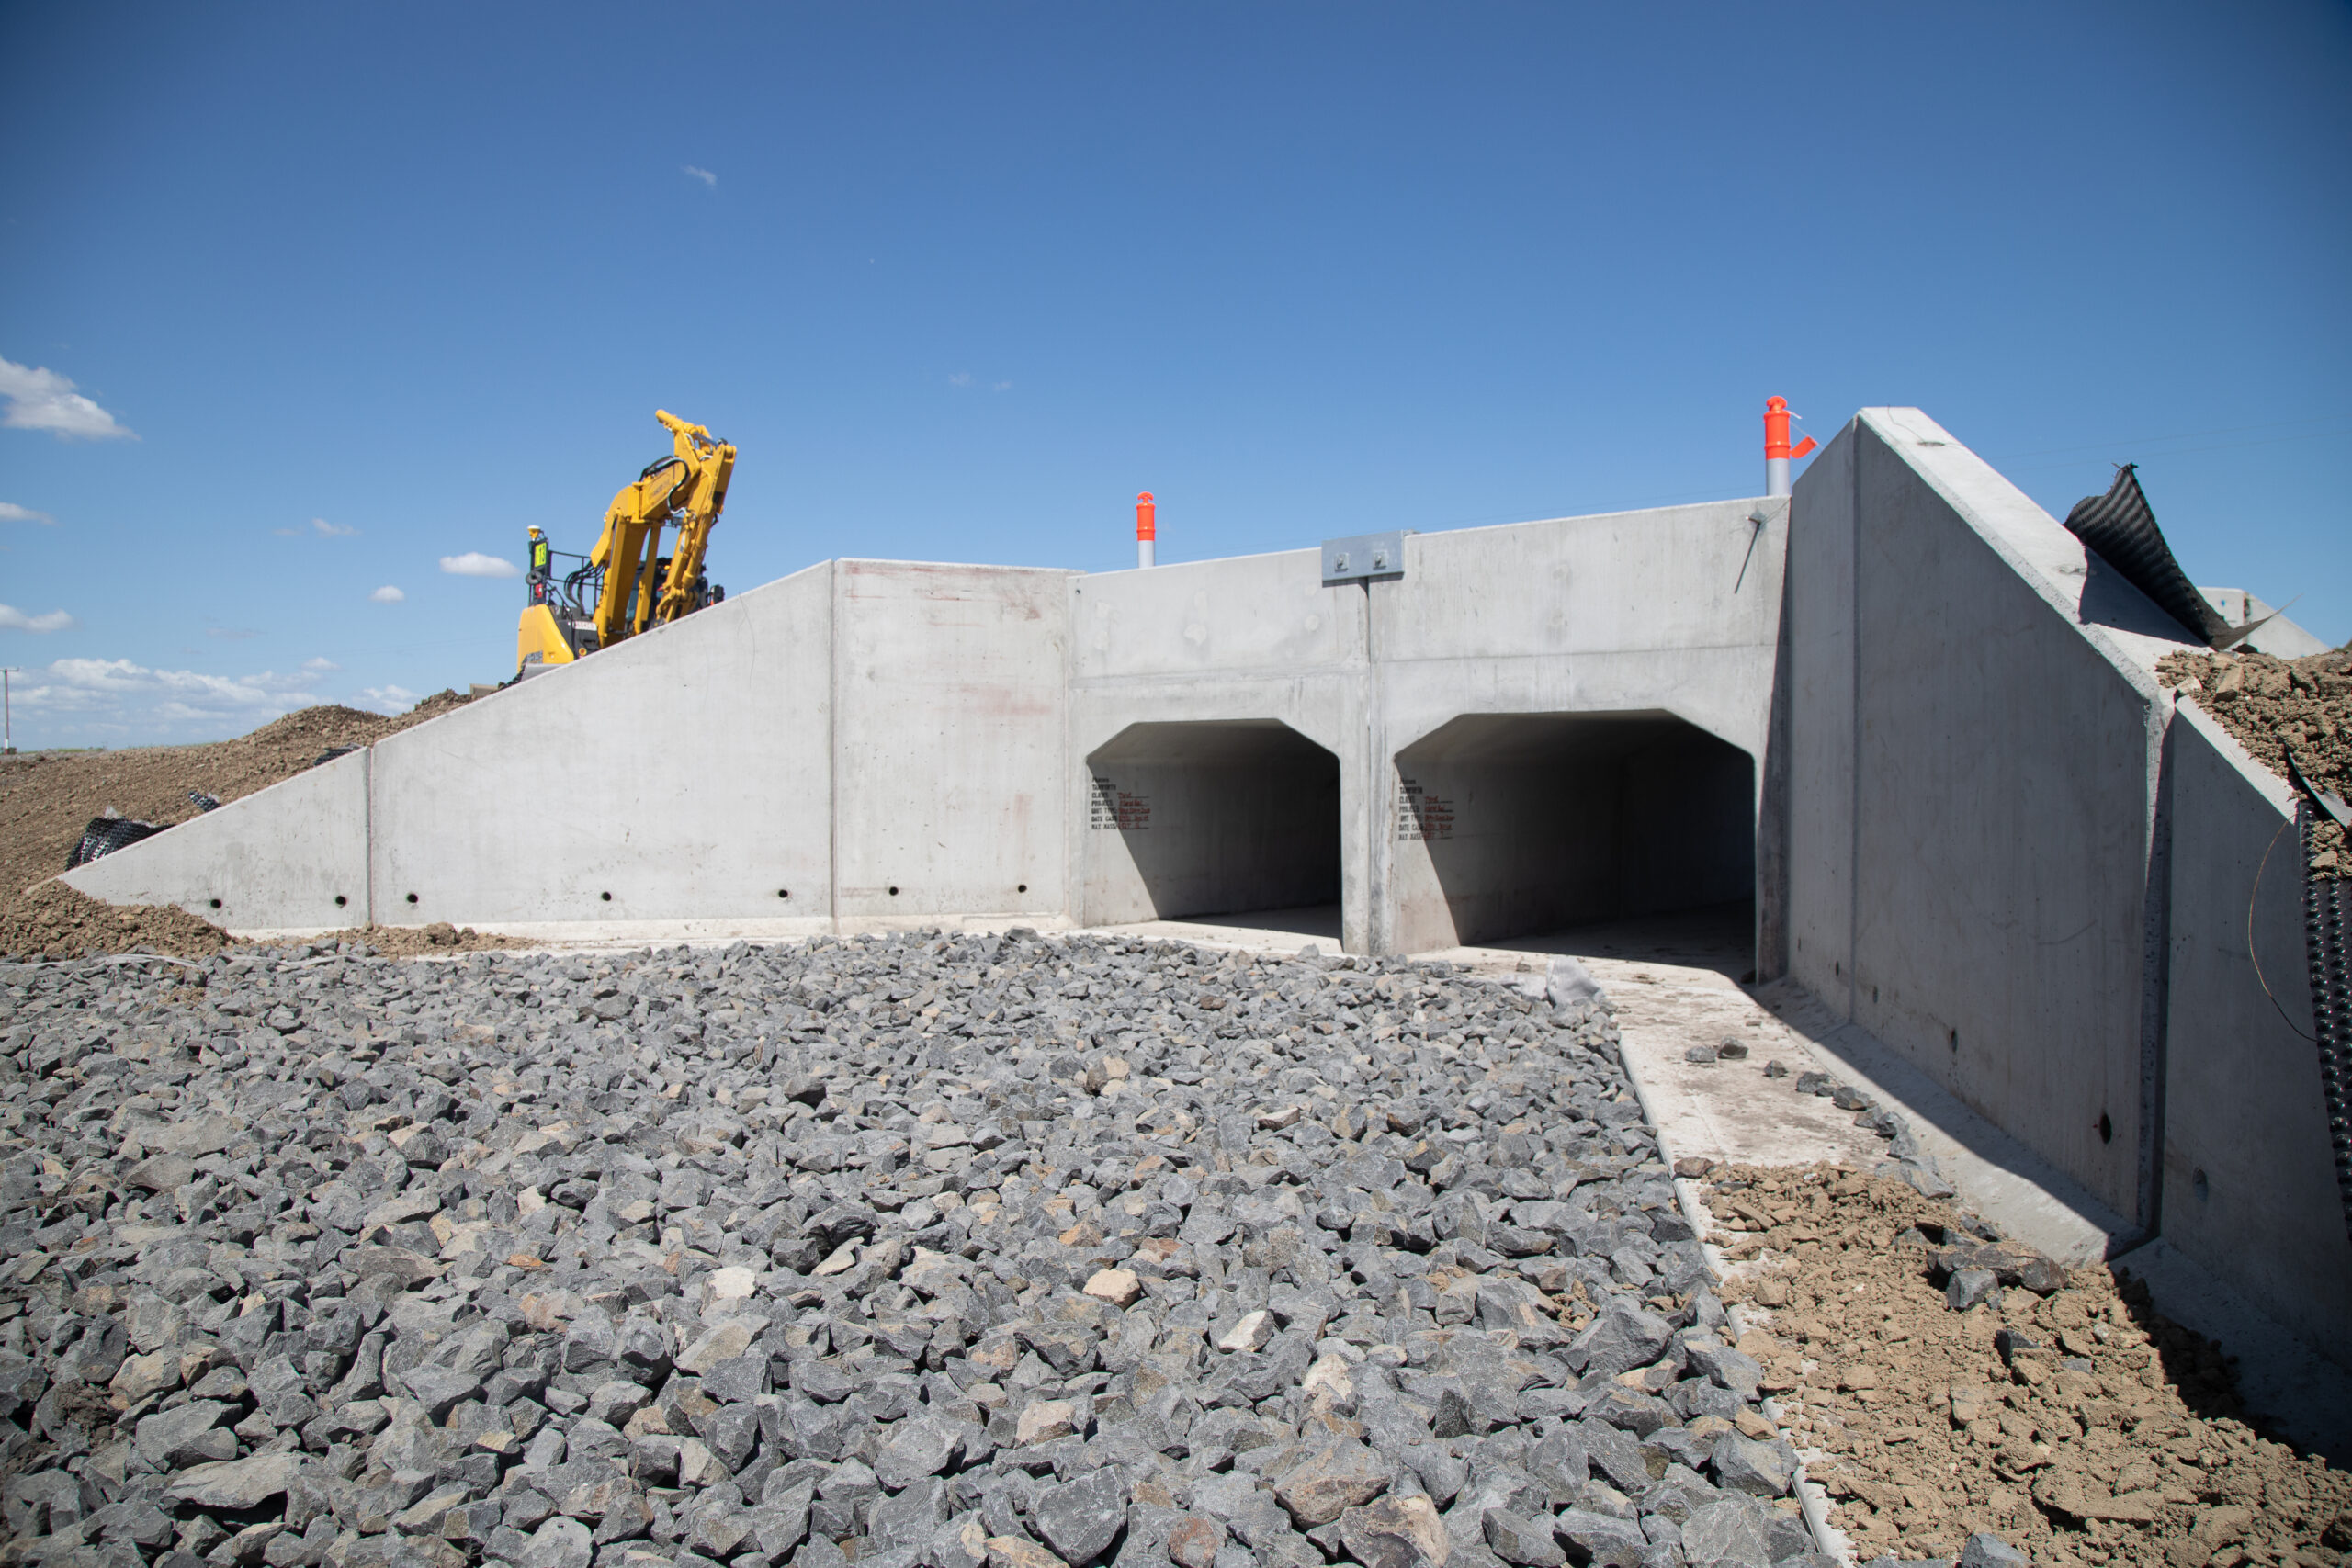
920,1251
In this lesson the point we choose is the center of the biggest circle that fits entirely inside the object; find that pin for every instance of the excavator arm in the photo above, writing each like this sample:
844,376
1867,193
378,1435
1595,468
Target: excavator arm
688,488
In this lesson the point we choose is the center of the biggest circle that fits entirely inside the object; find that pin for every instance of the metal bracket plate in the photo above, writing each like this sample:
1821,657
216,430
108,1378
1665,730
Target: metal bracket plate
1364,558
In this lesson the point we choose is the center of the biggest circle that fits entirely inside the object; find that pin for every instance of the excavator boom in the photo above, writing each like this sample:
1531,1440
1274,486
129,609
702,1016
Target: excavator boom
636,586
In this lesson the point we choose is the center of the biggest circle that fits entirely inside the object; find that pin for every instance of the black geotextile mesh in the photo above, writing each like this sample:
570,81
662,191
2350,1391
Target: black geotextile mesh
2123,530
106,834
2325,944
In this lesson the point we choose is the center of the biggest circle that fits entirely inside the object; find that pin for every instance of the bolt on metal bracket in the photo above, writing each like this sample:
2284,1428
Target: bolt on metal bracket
1364,558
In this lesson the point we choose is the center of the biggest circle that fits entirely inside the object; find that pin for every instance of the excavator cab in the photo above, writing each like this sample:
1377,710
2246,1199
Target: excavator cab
625,585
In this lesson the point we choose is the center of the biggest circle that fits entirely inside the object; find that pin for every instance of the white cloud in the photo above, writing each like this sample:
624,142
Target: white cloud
43,399
11,513
473,563
704,175
229,633
113,699
392,699
320,667
961,379
15,620
1001,386
387,594
327,530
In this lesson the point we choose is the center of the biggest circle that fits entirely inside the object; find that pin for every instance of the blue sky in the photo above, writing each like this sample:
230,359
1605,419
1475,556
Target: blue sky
373,286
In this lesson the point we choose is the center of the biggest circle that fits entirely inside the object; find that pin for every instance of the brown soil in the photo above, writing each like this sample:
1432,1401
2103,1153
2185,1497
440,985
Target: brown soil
2113,1438
48,797
52,920
424,941
2269,705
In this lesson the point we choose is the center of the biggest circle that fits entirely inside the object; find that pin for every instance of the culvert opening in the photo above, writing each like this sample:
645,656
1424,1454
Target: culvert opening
1226,817
1519,825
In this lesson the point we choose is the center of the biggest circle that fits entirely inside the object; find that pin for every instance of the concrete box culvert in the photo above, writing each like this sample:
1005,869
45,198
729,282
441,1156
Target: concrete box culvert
1511,825
1210,817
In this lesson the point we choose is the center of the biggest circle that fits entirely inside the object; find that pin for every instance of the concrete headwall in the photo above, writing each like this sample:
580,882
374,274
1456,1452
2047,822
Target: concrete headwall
1669,617
1572,628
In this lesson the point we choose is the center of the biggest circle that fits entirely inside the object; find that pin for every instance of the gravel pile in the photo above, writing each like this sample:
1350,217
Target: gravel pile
977,1252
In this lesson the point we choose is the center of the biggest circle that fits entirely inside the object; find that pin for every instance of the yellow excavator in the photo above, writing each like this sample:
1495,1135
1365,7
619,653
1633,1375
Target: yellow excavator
626,585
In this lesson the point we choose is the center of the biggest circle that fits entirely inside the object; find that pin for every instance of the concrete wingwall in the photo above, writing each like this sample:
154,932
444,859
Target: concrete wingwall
2248,1178
877,741
2009,860
1973,783
295,853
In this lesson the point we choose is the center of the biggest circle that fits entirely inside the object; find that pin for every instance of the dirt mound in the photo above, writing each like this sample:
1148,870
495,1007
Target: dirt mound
2269,705
52,920
424,941
48,797
2077,1425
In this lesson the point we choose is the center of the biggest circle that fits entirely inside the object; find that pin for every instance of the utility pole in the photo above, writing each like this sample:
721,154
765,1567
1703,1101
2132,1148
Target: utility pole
7,719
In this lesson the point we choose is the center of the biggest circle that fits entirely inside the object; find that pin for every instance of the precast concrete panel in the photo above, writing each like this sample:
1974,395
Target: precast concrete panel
1257,638
2002,788
1265,613
949,713
1678,577
2249,1183
681,774
1674,612
292,855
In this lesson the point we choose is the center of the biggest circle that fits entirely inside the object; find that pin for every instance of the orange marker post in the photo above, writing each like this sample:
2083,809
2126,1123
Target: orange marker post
1777,450
1147,530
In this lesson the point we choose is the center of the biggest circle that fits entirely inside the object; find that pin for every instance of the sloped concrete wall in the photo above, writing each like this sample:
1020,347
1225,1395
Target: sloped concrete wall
2248,1181
792,755
298,848
1973,774
681,773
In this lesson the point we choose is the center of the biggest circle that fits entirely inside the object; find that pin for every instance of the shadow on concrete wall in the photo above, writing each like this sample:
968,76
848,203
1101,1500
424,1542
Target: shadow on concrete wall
1532,821
1218,818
